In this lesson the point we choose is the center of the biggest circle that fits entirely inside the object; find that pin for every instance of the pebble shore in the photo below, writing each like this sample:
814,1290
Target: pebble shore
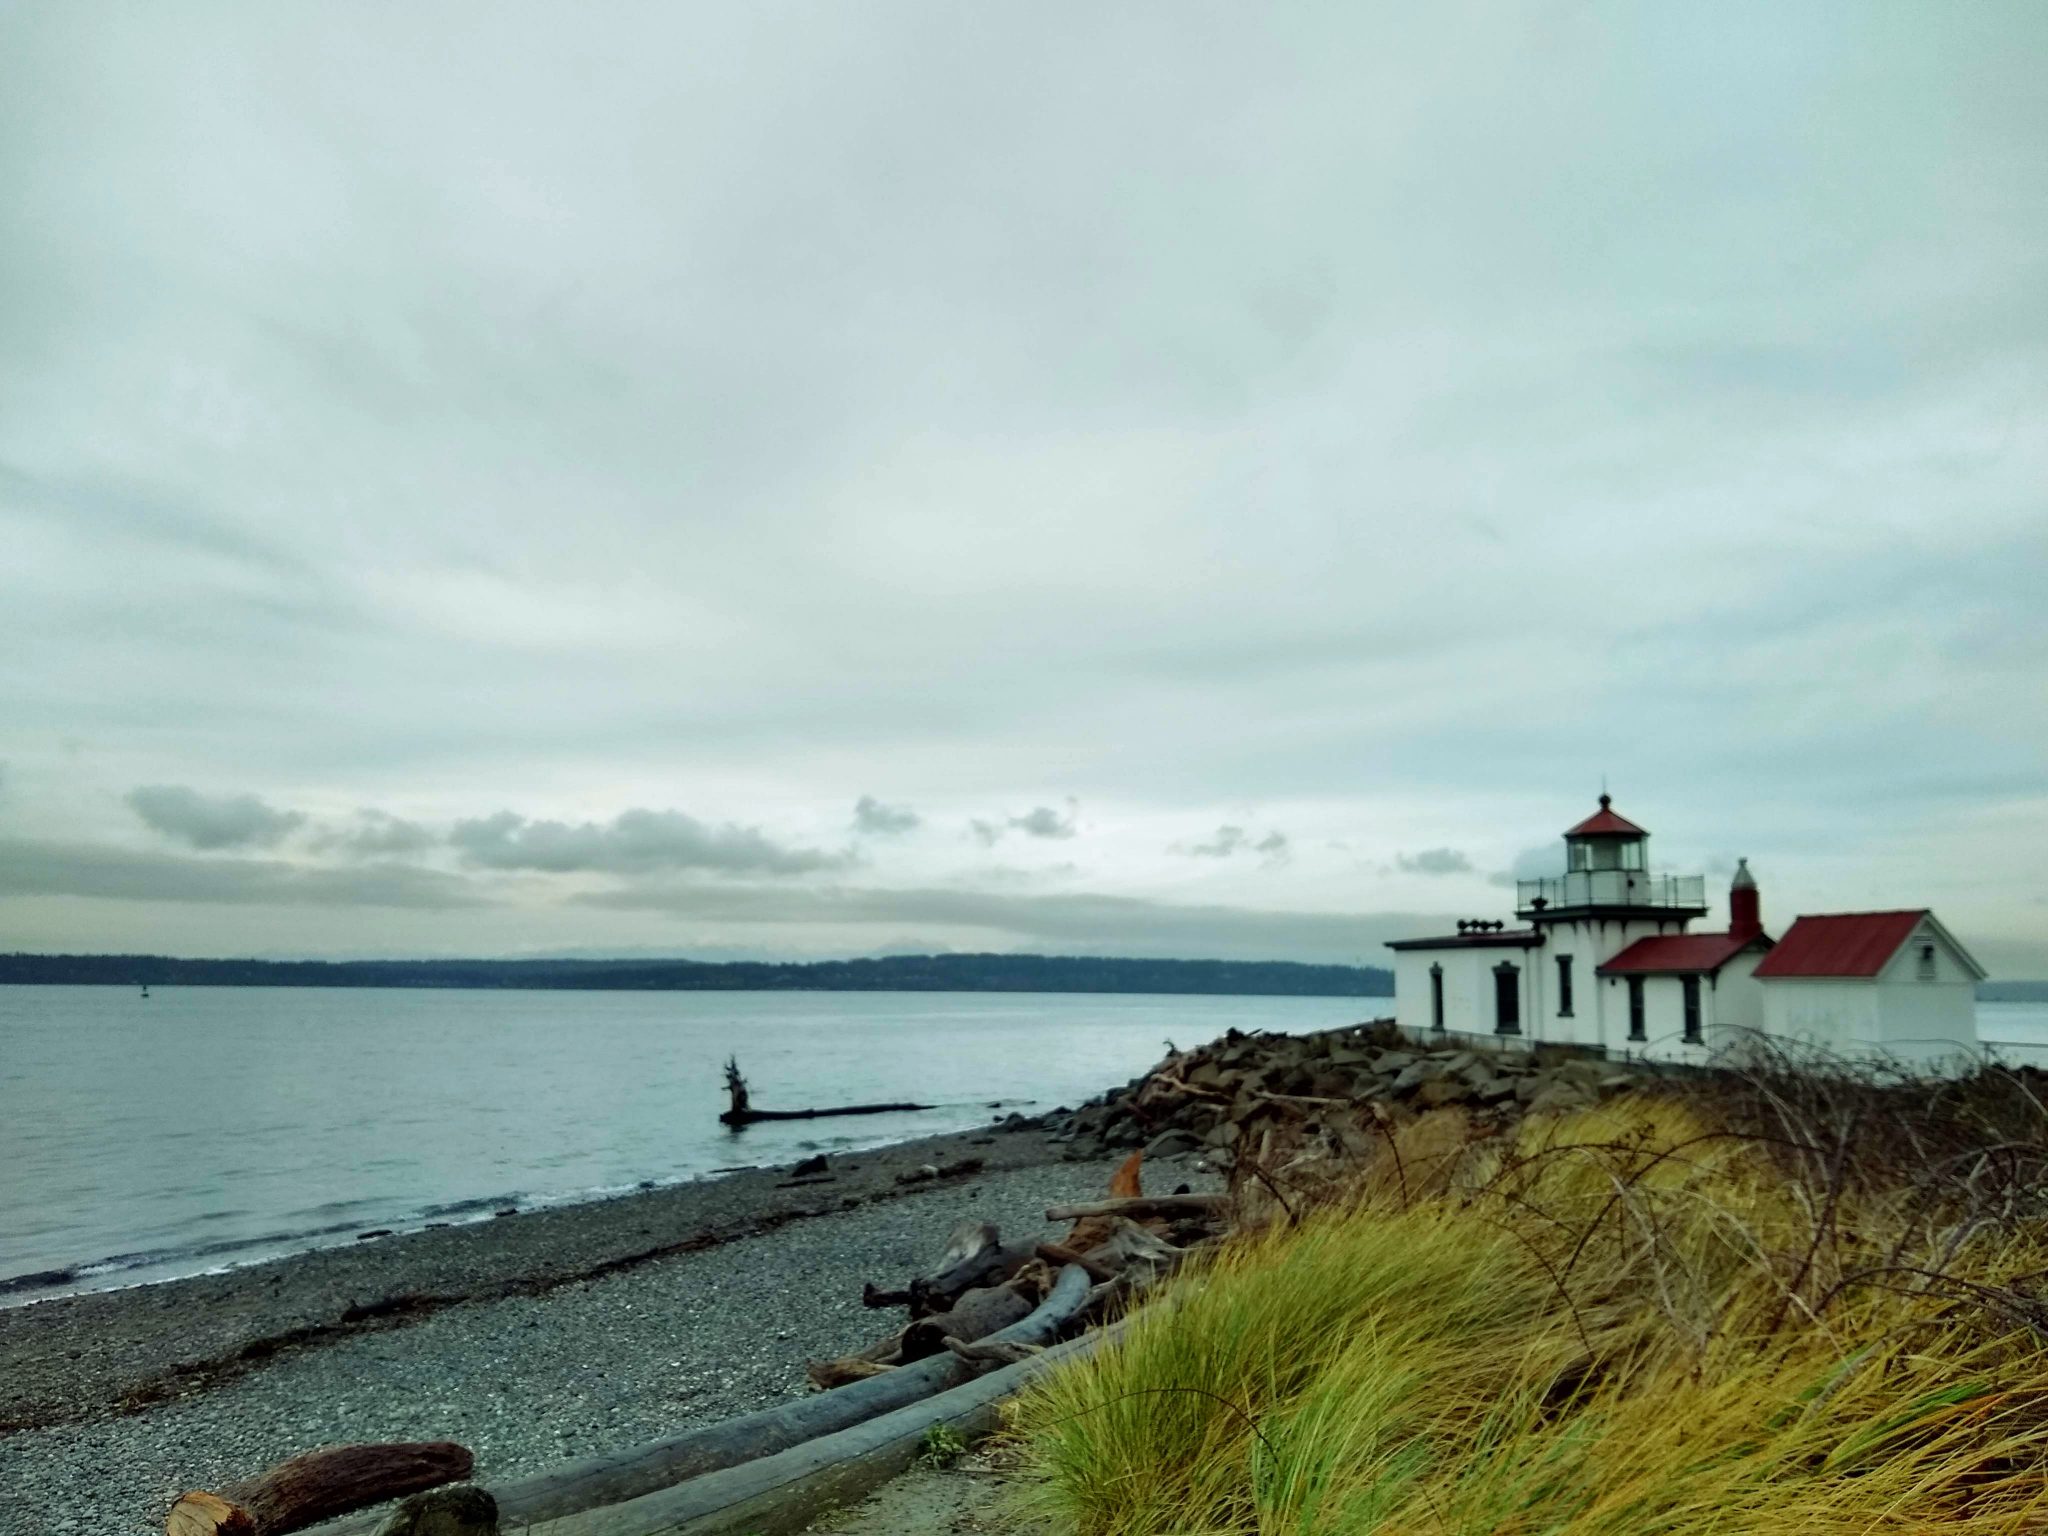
532,1339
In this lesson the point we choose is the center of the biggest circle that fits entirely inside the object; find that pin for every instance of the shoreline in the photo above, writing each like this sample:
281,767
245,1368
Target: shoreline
98,1277
531,1366
78,1357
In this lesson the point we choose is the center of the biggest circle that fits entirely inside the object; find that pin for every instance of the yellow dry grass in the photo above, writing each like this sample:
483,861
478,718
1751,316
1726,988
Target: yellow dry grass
1629,1320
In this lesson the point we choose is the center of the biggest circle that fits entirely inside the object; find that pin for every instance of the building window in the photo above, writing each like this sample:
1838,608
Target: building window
1691,984
1507,999
1635,1009
1564,986
1436,997
1927,962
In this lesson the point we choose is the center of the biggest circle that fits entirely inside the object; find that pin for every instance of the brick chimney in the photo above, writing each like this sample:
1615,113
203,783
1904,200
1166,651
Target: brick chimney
1745,907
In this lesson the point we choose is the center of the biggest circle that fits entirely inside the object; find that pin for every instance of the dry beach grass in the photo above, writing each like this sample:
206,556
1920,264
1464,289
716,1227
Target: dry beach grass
1787,1302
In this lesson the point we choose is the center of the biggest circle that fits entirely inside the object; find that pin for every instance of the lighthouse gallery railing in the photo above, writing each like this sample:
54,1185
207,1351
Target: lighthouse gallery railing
1611,888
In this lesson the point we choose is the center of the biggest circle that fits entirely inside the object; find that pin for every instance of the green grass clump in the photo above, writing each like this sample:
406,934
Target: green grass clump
941,1447
1647,1318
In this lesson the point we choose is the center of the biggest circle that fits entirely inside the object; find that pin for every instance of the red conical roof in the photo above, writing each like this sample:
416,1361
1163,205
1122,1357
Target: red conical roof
1604,823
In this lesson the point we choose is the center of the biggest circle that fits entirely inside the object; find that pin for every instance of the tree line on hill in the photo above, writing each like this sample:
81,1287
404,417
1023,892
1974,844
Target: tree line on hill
894,973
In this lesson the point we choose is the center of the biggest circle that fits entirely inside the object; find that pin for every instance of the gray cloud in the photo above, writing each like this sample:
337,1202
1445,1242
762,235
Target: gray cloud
873,818
375,835
1044,821
1228,840
1231,840
32,868
1041,821
633,842
1433,861
212,821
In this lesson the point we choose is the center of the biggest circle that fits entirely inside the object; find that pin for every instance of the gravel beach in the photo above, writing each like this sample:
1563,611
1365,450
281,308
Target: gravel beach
532,1339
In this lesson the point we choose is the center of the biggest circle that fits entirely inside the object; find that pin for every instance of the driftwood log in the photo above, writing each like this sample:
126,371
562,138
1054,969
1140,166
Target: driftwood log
616,1476
974,1256
782,1494
1143,1205
318,1486
740,1111
974,1316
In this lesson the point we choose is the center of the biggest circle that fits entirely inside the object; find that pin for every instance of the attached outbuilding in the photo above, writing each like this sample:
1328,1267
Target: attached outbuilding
1890,984
1688,996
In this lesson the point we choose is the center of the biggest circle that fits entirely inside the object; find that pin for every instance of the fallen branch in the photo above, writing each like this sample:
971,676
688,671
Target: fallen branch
992,1352
1059,1255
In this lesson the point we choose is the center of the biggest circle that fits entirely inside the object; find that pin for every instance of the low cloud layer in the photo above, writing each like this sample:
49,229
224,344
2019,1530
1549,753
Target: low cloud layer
212,821
1073,923
31,868
632,843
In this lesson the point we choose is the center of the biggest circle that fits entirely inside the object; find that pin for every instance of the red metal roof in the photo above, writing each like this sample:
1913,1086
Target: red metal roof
1604,823
1840,944
1679,954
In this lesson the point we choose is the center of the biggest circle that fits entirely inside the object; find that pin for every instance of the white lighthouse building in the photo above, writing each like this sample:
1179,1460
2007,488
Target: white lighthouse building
1604,955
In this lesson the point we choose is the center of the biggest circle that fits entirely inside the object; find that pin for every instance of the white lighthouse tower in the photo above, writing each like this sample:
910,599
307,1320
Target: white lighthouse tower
1604,901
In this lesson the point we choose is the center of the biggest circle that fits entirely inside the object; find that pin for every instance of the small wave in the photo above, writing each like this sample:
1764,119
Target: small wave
40,1280
471,1207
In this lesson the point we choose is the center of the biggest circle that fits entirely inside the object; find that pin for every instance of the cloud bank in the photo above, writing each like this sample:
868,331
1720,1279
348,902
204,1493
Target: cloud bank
218,821
633,842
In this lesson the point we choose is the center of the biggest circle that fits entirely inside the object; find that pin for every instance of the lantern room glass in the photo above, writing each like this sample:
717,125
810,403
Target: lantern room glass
1589,853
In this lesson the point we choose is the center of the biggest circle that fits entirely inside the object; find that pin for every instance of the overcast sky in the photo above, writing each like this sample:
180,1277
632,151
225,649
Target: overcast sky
1157,479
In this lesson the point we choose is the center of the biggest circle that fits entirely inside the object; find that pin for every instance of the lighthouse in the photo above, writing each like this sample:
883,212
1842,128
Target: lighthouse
1539,979
1604,955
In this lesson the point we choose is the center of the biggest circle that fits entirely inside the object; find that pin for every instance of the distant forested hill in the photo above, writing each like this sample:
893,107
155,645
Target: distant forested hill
2013,992
901,973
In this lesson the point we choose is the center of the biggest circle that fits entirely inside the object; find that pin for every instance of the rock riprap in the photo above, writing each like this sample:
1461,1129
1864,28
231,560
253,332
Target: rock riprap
1248,1095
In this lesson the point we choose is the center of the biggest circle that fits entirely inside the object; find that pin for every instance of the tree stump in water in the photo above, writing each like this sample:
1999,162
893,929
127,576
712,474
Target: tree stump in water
741,1112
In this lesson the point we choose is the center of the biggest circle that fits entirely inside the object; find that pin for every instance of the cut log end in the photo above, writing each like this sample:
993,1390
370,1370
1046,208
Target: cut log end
208,1514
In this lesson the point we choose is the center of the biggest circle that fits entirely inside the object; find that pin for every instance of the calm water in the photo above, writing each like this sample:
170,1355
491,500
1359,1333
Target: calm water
210,1126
